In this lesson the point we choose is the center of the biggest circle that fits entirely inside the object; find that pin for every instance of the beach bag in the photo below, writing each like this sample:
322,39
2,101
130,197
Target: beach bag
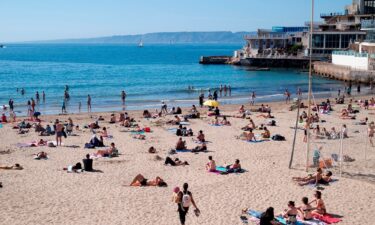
278,137
186,200
147,129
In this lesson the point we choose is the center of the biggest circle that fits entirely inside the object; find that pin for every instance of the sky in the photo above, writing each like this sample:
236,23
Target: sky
29,20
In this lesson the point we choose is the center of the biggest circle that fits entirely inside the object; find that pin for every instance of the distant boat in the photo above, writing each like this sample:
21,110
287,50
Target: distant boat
140,45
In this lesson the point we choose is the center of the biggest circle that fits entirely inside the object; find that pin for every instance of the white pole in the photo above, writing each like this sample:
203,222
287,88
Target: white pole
310,86
341,149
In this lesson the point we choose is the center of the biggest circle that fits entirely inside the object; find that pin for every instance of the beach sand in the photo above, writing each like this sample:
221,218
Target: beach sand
42,193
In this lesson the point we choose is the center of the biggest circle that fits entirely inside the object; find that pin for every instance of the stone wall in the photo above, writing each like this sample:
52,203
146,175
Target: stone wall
343,73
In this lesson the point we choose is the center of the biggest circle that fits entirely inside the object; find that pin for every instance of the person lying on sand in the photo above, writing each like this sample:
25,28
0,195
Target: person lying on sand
176,121
111,152
241,110
41,155
77,168
175,162
42,142
234,168
310,177
141,181
200,148
139,136
112,119
266,116
211,165
14,167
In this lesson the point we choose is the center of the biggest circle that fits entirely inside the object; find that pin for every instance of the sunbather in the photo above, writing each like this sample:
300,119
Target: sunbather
181,145
305,209
140,181
200,136
200,148
320,207
175,162
14,167
225,122
211,165
291,213
41,155
311,177
266,134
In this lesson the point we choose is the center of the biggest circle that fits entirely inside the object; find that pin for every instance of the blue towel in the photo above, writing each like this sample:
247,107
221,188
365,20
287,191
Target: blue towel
283,221
254,213
184,150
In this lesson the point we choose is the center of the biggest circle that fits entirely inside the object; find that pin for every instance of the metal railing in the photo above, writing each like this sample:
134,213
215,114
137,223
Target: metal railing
368,24
332,14
351,53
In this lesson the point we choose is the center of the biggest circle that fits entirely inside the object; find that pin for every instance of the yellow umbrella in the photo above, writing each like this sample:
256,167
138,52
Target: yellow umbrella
211,103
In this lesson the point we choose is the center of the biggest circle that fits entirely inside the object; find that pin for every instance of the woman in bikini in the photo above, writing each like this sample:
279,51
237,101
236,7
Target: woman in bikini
225,122
310,178
141,181
306,209
320,207
291,213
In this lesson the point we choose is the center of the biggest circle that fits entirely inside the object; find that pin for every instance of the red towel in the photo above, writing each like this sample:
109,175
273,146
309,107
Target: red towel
327,218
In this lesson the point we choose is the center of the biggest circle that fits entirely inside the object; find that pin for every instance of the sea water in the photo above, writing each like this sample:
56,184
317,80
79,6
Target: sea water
149,75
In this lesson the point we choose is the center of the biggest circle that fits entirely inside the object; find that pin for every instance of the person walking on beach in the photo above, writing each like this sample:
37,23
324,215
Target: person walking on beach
287,96
11,105
123,97
88,103
201,100
252,101
184,201
371,132
164,108
59,132
44,96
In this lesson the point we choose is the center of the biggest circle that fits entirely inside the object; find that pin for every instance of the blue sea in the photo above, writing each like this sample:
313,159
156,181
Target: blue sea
148,75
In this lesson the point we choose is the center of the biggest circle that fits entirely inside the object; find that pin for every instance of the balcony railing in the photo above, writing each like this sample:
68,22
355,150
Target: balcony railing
322,15
368,24
351,53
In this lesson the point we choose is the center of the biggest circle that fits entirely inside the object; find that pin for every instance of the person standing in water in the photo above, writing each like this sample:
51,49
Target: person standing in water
44,96
33,104
63,107
287,96
88,103
184,201
37,97
123,97
229,90
253,96
11,105
79,107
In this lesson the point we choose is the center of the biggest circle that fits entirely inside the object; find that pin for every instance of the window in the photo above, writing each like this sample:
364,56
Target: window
346,38
332,41
369,6
318,41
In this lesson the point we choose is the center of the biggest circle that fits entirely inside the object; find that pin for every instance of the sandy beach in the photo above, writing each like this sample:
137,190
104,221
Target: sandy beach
43,193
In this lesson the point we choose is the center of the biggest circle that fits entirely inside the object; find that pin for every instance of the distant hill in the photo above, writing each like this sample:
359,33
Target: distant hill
163,38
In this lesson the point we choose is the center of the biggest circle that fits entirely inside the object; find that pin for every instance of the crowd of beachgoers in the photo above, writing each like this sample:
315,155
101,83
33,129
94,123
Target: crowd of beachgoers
200,130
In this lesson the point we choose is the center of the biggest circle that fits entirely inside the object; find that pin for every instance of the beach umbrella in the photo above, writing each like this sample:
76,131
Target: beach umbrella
211,103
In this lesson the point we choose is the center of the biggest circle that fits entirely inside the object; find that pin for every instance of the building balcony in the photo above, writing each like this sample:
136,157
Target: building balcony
368,25
327,15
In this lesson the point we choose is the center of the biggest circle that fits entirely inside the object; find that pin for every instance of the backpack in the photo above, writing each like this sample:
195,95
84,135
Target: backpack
278,137
186,199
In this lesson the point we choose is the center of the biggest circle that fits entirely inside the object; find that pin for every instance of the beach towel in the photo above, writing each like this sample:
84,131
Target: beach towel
137,132
1,125
36,158
183,150
184,123
172,130
327,218
283,221
28,144
216,125
257,141
254,213
312,185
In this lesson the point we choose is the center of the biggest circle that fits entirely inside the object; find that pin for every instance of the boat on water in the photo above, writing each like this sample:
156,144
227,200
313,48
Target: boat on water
140,44
2,46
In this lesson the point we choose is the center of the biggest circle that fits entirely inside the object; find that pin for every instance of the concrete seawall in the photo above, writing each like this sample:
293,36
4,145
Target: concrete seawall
343,73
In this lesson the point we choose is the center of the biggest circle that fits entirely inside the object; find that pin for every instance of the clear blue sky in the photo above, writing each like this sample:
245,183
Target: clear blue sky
23,20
